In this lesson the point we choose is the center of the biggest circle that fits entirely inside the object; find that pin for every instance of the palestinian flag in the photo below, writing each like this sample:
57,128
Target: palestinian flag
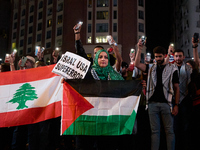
29,96
99,107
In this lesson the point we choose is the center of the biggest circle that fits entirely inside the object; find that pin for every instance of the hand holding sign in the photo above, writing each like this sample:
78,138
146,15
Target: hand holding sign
72,66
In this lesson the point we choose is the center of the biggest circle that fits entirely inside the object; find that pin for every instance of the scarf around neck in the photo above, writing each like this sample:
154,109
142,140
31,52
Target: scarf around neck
106,73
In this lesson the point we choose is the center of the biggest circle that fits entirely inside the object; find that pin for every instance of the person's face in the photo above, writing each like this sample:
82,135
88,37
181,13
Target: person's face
96,50
178,57
103,59
28,65
159,58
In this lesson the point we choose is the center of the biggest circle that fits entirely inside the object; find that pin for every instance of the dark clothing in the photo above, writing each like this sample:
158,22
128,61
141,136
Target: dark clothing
20,136
38,135
80,50
158,95
194,88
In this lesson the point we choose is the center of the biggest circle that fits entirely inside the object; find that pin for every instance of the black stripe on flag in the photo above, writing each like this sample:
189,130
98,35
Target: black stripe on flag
113,88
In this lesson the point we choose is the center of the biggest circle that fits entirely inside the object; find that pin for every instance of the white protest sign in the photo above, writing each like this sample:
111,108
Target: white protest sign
72,66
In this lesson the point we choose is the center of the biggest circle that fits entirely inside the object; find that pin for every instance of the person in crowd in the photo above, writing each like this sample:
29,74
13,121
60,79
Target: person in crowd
36,135
162,82
169,58
81,52
20,133
100,70
194,92
124,70
182,120
39,64
4,67
56,57
195,52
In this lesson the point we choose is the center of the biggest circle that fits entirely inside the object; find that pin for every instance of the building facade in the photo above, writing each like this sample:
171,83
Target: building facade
49,23
5,9
187,22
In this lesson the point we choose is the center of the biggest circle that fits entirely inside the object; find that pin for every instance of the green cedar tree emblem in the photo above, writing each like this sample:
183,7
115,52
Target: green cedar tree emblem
25,93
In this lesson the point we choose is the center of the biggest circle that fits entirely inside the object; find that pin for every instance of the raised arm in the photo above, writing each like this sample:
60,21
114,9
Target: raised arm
78,44
177,96
170,51
138,64
195,52
117,55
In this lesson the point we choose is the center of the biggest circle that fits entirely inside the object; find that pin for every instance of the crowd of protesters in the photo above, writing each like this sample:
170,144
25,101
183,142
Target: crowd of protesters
169,110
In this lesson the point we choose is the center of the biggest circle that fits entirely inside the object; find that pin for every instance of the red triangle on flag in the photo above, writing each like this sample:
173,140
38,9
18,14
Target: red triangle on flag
74,105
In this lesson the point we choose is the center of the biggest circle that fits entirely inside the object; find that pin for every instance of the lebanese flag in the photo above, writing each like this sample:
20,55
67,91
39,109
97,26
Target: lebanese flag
93,107
29,96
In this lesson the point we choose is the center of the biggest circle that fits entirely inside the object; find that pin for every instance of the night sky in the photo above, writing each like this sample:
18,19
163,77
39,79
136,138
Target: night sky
158,23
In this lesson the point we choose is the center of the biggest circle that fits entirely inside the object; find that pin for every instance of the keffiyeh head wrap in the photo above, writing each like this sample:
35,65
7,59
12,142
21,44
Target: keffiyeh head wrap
107,72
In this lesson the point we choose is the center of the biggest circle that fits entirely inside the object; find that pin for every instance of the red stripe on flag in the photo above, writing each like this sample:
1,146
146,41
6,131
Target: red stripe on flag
74,105
30,115
28,75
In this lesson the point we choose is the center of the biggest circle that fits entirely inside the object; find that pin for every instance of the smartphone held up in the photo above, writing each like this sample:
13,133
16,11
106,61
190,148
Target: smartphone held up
143,38
78,25
196,37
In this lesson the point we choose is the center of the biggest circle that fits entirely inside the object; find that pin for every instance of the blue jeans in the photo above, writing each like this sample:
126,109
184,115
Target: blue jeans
156,111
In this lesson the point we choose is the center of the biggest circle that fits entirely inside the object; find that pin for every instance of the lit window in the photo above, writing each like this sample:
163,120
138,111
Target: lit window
102,3
49,23
89,39
60,19
102,14
101,39
90,3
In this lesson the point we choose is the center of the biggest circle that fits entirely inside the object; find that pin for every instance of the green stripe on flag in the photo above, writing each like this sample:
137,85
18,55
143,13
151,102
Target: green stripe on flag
102,125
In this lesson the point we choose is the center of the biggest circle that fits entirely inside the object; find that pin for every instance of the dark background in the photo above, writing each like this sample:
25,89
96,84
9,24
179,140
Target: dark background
159,23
